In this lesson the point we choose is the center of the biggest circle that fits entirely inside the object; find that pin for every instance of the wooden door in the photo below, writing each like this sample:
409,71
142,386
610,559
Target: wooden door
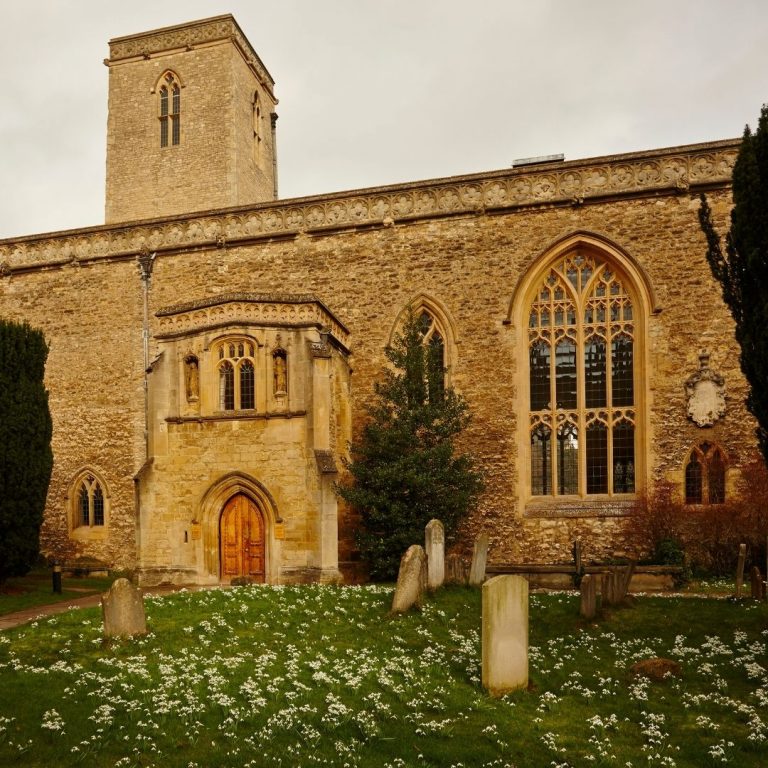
242,539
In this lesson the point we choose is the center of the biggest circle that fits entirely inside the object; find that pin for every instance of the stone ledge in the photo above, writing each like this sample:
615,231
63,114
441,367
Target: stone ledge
607,508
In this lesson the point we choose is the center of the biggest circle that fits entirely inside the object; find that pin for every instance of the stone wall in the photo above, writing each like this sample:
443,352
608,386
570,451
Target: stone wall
465,244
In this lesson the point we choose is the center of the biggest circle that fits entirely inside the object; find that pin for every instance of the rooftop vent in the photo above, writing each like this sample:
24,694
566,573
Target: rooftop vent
540,160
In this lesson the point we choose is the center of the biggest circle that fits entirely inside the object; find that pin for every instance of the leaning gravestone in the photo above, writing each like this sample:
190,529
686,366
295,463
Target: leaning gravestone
123,610
479,561
756,583
455,569
434,537
411,580
505,634
588,607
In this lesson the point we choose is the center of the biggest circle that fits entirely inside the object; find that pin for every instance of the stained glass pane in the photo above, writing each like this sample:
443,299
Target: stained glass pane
98,506
622,371
597,458
595,378
624,458
84,506
539,375
227,387
163,131
246,385
716,479
176,100
693,484
565,374
567,459
541,465
176,124
163,101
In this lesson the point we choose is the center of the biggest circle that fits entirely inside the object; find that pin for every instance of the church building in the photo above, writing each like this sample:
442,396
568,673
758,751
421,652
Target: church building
212,347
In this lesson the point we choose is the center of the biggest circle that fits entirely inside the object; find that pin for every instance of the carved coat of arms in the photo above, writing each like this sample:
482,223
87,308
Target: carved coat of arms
706,395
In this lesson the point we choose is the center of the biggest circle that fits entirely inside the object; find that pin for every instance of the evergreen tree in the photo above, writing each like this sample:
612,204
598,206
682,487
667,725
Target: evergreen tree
404,469
25,446
743,269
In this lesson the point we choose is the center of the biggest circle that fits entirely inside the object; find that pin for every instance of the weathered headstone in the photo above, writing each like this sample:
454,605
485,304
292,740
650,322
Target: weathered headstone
505,634
740,568
588,607
411,580
479,560
756,583
455,569
123,610
434,539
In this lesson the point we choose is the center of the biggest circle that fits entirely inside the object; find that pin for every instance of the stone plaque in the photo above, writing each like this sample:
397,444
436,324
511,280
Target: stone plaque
706,394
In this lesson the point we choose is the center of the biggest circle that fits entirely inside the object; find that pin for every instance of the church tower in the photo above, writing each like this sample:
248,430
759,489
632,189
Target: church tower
191,124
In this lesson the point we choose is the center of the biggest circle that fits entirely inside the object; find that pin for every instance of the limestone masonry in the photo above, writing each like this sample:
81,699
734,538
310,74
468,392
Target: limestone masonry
212,347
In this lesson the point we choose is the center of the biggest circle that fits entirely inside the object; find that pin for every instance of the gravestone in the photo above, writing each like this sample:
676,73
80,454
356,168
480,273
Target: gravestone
740,568
411,580
756,583
122,608
479,560
455,569
588,607
434,539
505,634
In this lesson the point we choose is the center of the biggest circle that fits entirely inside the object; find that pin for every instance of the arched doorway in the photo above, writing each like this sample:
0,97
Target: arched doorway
241,533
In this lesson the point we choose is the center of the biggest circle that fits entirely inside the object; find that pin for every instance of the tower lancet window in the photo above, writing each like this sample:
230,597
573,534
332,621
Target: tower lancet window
582,411
170,110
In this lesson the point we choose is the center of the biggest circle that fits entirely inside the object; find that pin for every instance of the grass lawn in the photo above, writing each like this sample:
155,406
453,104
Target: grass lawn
36,588
309,676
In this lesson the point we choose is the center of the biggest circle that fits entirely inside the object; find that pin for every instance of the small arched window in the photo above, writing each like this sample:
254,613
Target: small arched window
434,342
705,475
237,375
89,507
170,110
257,128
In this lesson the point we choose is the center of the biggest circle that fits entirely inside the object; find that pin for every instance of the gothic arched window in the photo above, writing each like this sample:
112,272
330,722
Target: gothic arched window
88,502
705,475
170,110
581,373
237,378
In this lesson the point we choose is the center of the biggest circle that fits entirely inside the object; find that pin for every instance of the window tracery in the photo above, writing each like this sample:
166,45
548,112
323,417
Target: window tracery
89,502
581,350
705,475
170,110
236,375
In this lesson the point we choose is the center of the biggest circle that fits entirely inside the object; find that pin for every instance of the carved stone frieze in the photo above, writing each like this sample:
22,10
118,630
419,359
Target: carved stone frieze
250,309
706,394
187,36
644,173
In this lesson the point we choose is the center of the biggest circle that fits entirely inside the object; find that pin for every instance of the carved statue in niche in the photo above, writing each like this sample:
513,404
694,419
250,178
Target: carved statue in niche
191,378
280,372
706,394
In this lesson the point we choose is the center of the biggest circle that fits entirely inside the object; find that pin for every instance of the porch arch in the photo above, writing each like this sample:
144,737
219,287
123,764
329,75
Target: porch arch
210,509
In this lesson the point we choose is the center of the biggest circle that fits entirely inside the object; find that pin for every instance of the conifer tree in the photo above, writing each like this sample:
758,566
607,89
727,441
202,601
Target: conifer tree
405,469
25,446
742,269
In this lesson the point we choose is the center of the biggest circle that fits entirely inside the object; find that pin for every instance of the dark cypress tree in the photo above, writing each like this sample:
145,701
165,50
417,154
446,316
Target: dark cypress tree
404,470
742,269
25,446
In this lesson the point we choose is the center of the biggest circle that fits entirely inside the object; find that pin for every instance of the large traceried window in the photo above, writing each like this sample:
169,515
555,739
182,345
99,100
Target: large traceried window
170,110
237,379
581,356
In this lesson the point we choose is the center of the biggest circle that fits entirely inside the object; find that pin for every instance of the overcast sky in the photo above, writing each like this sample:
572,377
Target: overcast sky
395,90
